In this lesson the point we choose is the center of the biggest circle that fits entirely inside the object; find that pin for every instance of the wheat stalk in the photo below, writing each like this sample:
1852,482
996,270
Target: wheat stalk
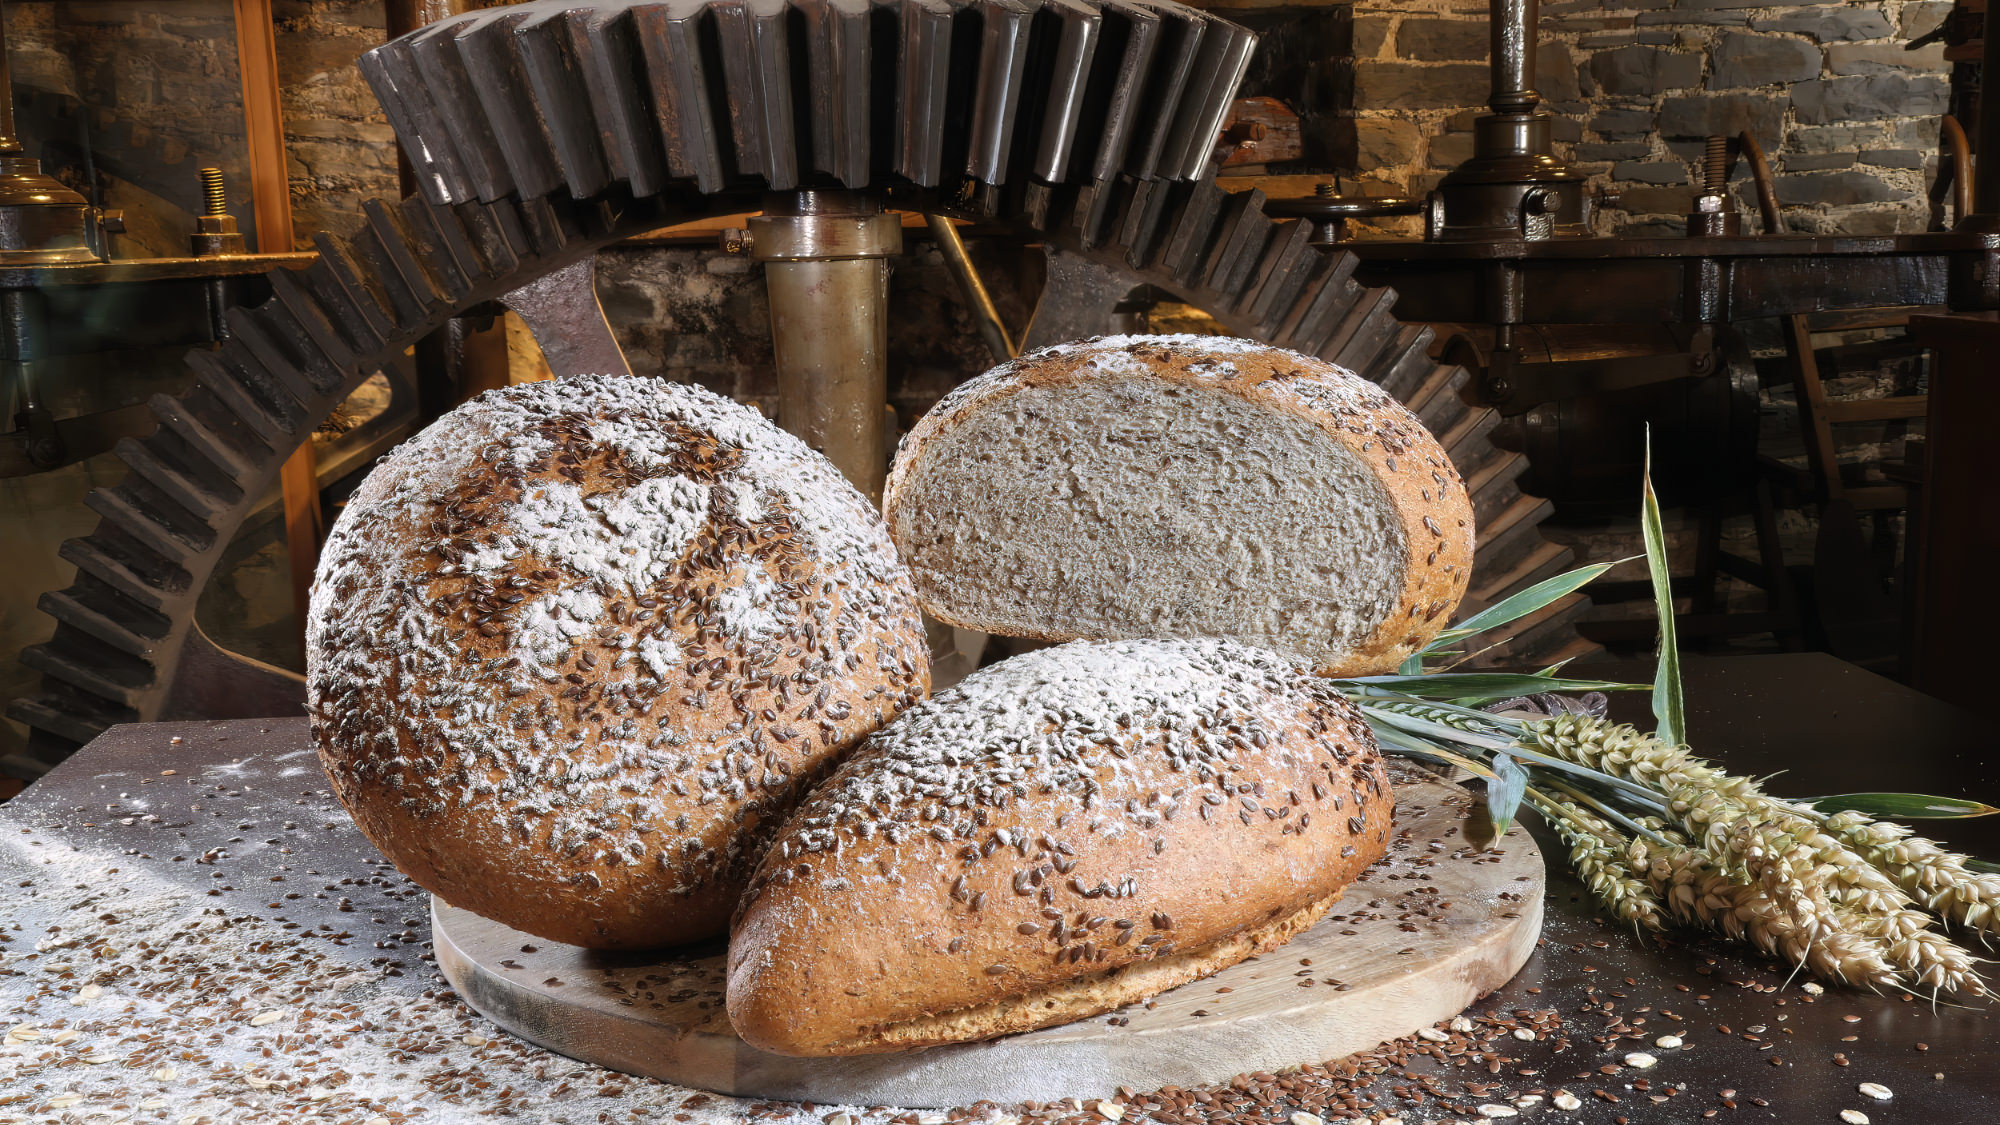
1597,854
1804,894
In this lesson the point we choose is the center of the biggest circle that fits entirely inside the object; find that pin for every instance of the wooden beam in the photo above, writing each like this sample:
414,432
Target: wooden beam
271,200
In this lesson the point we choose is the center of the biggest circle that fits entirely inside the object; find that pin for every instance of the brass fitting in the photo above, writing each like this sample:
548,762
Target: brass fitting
215,233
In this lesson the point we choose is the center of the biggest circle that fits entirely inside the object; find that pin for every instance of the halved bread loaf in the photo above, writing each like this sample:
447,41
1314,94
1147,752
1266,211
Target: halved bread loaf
1184,486
1059,834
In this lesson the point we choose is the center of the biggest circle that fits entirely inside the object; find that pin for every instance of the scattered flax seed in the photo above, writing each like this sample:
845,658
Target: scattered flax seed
262,1018
1304,1118
1563,1099
63,1037
1667,1042
1640,1059
1109,1110
1854,1117
1876,1090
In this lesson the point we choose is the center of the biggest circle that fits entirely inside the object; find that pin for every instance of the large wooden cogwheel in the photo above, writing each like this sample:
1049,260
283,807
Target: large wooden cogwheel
544,131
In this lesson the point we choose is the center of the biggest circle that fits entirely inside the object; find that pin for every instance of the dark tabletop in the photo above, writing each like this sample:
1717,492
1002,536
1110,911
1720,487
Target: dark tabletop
194,927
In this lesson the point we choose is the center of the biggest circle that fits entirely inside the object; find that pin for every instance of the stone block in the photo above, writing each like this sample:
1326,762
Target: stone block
1883,220
1763,115
1895,158
1830,25
1921,18
1867,97
1818,161
1370,33
1886,58
1654,200
1621,150
1919,134
1567,129
1760,60
1619,121
1621,38
1385,142
1555,73
1684,19
1693,6
1402,85
1835,138
1642,71
1662,172
1835,189
1650,228
1439,40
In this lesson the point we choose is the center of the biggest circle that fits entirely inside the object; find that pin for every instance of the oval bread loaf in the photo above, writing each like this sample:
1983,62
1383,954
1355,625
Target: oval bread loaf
1057,835
1184,486
577,647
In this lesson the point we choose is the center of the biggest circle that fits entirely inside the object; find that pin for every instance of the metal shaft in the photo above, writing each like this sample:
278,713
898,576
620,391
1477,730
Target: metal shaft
826,272
10,142
1986,184
1513,25
977,300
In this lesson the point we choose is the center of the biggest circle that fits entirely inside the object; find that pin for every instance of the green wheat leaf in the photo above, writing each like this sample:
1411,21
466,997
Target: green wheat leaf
1504,792
1668,707
1901,806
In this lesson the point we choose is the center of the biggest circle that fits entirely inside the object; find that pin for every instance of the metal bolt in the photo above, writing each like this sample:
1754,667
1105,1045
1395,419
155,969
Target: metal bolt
1715,166
1496,387
734,241
214,199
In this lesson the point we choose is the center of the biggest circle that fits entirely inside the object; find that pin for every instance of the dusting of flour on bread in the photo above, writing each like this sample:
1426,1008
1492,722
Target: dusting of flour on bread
577,644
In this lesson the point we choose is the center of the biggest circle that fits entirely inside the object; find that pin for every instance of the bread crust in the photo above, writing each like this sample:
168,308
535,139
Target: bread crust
1013,838
576,648
1424,487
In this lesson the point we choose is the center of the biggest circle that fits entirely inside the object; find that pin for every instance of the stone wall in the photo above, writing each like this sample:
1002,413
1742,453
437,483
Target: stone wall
163,96
1848,117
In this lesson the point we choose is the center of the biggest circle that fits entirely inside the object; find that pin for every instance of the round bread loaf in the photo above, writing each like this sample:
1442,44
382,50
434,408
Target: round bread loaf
1184,486
1057,835
577,647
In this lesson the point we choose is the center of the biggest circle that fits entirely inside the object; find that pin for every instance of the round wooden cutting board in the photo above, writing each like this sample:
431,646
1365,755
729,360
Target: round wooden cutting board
1419,936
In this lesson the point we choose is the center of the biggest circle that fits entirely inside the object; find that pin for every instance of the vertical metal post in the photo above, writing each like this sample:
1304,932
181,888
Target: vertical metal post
826,271
1513,24
1986,184
10,144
